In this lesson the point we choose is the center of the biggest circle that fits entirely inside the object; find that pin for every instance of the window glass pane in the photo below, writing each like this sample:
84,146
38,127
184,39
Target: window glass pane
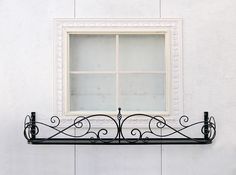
142,92
91,92
92,52
142,52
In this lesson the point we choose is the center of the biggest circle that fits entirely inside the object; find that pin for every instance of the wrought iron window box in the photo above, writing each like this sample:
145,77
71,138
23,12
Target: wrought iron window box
137,136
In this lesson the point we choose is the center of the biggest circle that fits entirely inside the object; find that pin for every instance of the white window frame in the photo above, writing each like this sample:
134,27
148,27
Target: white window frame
171,28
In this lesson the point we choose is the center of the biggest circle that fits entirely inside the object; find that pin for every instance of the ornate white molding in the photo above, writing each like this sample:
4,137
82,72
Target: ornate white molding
173,26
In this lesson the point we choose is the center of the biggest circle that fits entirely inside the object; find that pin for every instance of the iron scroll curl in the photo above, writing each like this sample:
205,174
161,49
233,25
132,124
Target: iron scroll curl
86,133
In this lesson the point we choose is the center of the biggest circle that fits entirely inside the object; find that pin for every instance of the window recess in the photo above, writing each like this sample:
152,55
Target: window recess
107,71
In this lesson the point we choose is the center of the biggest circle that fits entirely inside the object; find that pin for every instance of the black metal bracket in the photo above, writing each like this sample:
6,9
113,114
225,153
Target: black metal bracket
152,134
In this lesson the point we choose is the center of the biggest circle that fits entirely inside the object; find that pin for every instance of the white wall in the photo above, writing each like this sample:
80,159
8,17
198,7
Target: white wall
26,67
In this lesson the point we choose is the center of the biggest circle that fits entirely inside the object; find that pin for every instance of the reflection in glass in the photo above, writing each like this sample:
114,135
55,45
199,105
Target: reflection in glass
142,52
91,92
142,92
92,52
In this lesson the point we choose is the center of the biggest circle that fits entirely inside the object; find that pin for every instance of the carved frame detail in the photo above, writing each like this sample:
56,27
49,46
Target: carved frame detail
173,26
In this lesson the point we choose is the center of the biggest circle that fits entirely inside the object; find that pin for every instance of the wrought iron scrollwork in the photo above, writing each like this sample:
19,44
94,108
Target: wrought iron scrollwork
153,133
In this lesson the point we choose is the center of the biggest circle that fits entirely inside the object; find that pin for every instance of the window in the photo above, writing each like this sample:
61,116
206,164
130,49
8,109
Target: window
107,71
106,64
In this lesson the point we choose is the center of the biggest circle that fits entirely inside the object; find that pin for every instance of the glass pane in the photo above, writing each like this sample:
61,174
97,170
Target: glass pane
91,92
142,52
92,52
142,92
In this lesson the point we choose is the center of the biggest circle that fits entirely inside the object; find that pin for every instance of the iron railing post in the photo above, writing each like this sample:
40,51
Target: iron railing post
33,126
206,126
119,116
